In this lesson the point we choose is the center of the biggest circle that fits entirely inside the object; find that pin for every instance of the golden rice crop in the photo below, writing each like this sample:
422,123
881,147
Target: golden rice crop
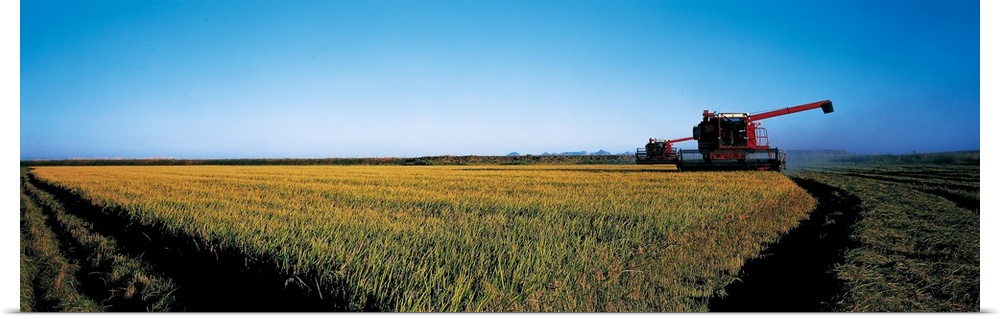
469,238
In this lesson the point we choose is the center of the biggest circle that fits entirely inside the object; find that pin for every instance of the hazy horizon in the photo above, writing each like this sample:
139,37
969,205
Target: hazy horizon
562,153
348,79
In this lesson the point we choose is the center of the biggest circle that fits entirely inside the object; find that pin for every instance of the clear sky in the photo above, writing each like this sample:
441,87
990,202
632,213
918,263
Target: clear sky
314,79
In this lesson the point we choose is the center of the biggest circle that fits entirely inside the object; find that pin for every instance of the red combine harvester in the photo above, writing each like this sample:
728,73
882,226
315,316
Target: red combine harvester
726,141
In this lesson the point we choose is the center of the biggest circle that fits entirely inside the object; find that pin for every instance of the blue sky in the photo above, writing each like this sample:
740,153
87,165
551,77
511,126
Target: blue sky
311,79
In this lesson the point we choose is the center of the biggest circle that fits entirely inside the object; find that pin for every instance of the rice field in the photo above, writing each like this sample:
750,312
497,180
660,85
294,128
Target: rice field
576,238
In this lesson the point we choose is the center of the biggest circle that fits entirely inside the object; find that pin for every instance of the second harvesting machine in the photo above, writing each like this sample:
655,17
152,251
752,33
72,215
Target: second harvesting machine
726,141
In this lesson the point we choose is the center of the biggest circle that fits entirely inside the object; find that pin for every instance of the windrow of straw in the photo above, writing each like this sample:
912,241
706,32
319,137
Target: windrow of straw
917,239
121,282
48,280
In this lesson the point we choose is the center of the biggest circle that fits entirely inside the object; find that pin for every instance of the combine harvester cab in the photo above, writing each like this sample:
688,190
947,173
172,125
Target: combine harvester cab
726,141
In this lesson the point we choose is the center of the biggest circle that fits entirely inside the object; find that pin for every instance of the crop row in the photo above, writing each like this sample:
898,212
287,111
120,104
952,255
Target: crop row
77,269
467,238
